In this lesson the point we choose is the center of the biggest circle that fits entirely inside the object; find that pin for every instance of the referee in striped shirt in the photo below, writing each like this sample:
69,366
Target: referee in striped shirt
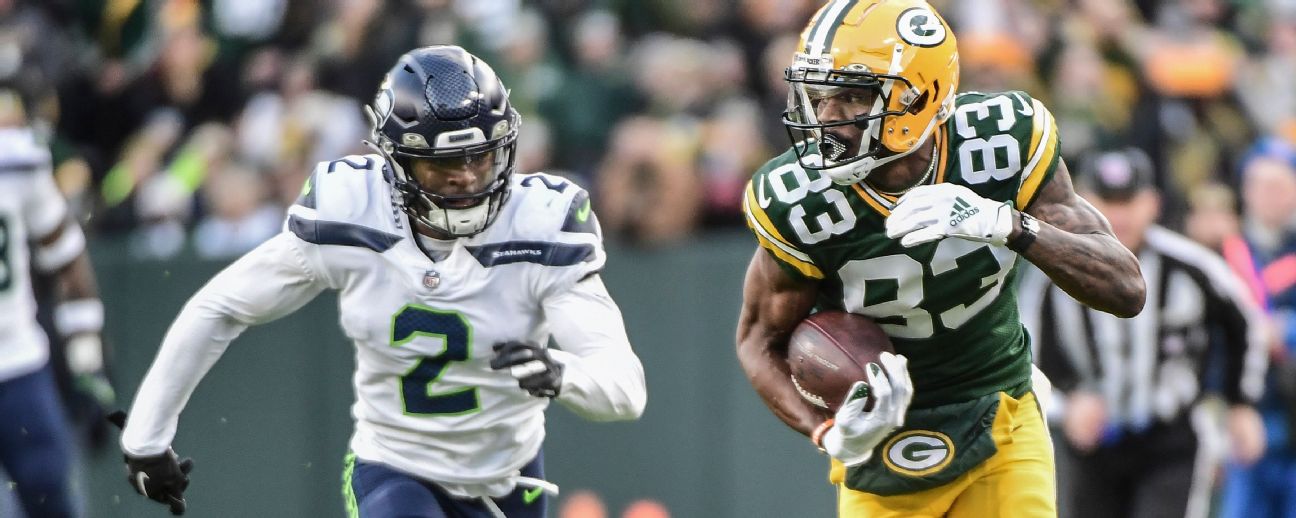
1140,446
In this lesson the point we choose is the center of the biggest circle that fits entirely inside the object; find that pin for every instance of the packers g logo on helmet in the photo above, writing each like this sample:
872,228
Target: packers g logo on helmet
918,452
896,60
919,26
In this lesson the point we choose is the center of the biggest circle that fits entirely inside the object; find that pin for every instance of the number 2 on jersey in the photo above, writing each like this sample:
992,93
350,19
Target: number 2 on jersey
417,394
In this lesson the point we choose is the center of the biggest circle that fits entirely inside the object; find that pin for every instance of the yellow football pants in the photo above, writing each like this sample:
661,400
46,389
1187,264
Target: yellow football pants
1017,481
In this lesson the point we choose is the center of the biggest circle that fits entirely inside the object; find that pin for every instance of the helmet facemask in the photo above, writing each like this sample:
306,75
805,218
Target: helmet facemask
452,215
818,146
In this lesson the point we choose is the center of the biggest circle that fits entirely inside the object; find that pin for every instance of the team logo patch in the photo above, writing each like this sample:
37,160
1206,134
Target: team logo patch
920,26
918,452
431,279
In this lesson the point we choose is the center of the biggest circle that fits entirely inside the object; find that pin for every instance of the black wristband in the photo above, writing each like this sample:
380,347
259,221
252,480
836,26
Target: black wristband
1029,231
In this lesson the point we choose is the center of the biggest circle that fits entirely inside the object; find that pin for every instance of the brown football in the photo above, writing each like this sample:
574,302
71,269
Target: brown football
827,354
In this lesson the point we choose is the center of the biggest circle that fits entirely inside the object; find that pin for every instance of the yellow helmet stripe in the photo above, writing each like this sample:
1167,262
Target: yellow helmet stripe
825,27
770,239
1044,152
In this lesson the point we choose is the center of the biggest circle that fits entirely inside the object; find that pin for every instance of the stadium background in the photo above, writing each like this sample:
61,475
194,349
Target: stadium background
182,128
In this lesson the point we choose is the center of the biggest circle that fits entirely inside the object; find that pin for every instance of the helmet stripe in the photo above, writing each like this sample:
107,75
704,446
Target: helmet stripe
832,29
826,26
814,27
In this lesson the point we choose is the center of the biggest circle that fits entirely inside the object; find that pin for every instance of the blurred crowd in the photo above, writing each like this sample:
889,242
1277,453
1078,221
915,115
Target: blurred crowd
188,126
194,122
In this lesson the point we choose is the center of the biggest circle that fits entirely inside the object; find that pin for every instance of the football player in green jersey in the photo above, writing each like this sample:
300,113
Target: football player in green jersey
911,204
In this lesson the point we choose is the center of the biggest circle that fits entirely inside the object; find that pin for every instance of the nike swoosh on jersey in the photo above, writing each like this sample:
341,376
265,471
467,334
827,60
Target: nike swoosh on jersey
584,212
1026,108
531,495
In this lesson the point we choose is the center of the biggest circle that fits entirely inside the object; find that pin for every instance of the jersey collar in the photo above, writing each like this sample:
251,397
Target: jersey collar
884,202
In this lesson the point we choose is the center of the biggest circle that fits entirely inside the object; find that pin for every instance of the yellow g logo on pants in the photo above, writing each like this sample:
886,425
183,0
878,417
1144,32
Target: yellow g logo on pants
918,452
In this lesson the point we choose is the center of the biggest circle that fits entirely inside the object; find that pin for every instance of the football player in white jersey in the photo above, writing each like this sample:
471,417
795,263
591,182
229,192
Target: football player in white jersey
38,236
453,272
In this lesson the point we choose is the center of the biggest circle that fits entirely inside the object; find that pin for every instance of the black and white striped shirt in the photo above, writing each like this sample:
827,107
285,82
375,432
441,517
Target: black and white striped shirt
1150,367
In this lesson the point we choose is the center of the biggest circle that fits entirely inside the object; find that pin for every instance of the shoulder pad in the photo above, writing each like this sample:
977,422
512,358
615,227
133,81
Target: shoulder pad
1002,145
774,190
348,202
547,220
549,205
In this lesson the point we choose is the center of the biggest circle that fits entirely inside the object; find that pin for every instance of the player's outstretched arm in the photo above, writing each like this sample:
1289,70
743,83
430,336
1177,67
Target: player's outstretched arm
773,305
1076,248
269,282
601,377
79,314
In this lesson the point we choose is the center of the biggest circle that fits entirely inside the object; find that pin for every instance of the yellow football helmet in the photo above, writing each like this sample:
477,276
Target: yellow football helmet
896,61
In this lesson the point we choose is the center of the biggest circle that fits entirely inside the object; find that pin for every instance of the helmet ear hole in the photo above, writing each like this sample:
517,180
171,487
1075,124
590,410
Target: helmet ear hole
919,103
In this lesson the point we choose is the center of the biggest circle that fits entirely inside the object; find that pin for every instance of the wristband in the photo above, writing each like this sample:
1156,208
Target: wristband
816,437
1029,231
79,316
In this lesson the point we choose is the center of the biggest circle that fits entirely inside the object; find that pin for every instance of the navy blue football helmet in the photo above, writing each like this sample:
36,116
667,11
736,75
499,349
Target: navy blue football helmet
444,105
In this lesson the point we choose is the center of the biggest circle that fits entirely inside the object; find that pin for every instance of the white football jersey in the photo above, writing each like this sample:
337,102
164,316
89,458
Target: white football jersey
31,208
423,330
427,402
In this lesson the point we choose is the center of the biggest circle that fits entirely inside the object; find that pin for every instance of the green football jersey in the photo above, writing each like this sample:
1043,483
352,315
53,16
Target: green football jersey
949,305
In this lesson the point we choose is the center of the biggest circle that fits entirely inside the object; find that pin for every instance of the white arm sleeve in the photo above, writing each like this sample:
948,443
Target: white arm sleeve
602,378
269,282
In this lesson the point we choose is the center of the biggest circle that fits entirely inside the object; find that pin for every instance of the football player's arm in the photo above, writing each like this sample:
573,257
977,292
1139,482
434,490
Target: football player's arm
773,304
78,316
79,313
1075,247
269,282
602,378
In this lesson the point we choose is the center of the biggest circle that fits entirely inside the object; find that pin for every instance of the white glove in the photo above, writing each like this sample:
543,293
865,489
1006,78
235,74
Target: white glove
930,212
855,432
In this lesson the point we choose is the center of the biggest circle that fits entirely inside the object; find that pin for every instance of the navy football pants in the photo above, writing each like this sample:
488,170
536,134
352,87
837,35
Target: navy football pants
378,491
35,444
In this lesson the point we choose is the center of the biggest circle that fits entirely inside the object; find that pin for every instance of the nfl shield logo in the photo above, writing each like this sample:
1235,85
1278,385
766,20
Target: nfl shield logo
431,279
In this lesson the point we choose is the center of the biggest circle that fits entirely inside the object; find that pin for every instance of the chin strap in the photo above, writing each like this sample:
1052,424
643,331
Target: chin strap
856,172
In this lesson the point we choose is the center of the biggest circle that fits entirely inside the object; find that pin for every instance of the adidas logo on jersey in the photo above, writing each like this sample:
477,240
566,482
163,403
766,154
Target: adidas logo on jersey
962,211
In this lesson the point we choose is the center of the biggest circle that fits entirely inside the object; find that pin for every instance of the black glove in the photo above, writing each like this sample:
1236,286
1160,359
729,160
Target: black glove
535,370
162,477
